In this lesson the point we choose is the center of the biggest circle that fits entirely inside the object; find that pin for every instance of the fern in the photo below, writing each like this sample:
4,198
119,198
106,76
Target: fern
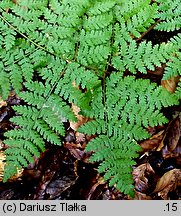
41,119
140,57
173,67
126,105
135,18
169,15
48,49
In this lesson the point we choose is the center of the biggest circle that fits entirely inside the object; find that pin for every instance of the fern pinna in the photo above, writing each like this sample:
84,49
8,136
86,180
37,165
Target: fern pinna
47,48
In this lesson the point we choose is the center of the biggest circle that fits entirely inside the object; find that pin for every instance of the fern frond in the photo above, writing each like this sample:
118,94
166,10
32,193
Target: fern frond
139,57
135,17
178,90
173,67
117,160
54,53
128,102
4,82
41,120
101,7
169,15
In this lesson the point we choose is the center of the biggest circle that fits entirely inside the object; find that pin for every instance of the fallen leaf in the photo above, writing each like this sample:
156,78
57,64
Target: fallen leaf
56,187
100,181
171,136
80,137
160,146
170,84
31,174
153,142
168,182
81,119
2,102
2,158
141,196
75,151
174,154
141,182
164,193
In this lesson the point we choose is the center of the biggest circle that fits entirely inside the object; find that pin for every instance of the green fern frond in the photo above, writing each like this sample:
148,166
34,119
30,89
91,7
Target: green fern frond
173,67
133,102
117,160
55,53
135,17
40,120
178,90
169,15
139,57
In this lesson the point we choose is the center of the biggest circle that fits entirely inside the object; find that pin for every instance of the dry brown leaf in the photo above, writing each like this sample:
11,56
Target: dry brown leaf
2,158
81,119
2,102
141,182
75,151
80,137
170,84
158,71
141,196
160,146
100,181
172,135
168,182
153,142
164,193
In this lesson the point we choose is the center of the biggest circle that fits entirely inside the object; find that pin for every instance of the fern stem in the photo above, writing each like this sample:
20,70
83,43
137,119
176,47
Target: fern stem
37,45
146,32
30,40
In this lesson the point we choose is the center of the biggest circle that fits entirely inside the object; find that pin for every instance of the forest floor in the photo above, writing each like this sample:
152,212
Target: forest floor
64,172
